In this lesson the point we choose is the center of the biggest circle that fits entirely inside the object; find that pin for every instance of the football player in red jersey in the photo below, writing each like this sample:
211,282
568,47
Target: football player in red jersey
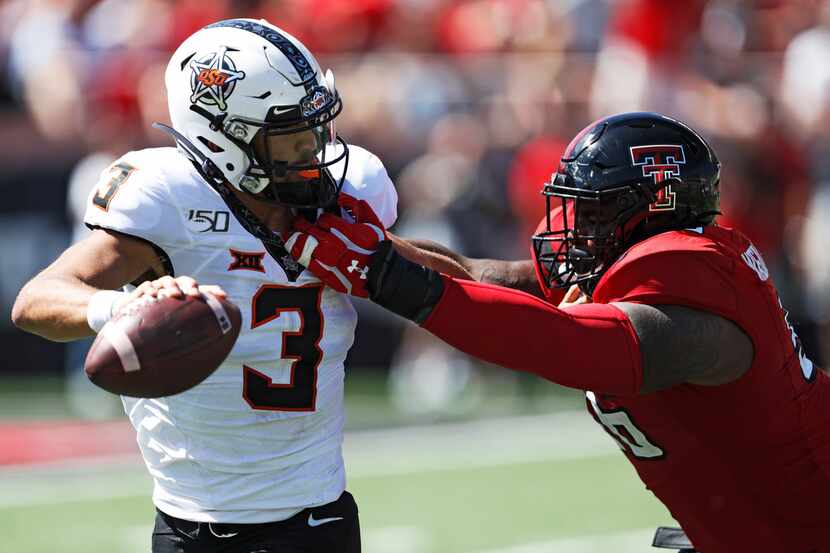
685,352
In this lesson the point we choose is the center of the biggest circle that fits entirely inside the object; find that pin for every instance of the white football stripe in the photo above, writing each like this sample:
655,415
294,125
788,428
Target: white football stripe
349,244
220,313
525,439
122,345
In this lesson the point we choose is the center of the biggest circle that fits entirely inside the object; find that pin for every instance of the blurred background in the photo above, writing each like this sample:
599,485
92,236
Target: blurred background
469,103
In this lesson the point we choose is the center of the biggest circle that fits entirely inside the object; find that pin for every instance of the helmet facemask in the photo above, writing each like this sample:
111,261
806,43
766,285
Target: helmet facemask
595,229
292,151
622,180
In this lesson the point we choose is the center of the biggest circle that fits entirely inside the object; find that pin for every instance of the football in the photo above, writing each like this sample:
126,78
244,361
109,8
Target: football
160,347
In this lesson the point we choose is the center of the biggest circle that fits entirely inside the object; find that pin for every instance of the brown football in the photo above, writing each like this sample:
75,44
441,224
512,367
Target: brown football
163,347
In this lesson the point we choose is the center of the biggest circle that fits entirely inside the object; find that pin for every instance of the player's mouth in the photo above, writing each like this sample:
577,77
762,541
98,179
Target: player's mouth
297,176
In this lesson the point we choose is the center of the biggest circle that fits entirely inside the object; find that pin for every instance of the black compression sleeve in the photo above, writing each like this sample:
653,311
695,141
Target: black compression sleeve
401,286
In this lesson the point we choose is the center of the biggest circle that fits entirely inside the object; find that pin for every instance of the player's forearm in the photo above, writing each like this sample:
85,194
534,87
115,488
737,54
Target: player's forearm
54,308
518,275
433,255
54,303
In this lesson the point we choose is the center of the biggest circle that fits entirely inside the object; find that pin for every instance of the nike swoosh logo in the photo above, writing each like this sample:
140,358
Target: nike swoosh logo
319,521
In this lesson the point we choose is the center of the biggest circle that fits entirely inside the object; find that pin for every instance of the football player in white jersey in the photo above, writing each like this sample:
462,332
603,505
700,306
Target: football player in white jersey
250,459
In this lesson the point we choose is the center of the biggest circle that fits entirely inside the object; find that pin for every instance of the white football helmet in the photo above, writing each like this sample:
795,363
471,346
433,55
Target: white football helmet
235,78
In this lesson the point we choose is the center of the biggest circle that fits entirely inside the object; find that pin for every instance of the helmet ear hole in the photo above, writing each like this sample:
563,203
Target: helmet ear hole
210,145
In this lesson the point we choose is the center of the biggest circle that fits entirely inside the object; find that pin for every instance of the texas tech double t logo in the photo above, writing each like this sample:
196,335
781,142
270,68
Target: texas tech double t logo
661,162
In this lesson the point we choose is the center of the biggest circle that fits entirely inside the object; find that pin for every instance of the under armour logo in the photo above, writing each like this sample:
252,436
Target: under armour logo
355,267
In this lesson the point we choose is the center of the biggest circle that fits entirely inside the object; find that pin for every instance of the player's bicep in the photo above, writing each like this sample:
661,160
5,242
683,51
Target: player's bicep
682,345
106,260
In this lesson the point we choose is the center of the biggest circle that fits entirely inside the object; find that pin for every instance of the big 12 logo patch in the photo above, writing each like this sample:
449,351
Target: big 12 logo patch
661,162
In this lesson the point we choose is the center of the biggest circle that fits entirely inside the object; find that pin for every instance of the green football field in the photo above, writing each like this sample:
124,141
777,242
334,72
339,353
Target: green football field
520,484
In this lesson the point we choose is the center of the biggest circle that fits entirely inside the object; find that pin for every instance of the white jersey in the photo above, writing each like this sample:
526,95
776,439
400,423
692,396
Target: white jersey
260,439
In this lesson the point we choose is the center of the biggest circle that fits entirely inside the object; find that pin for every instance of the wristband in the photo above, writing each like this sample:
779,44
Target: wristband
100,306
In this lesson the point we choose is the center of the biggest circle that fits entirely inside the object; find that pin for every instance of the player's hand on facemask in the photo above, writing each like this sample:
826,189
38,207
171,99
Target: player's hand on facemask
336,250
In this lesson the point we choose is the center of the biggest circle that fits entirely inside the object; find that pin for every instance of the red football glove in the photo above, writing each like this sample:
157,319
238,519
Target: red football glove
338,251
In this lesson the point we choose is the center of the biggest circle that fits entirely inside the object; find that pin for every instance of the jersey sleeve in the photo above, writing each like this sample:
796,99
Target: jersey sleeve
368,180
588,346
134,199
676,268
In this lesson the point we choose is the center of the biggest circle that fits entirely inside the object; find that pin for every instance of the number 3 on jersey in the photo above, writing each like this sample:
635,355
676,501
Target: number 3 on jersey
619,425
302,347
117,175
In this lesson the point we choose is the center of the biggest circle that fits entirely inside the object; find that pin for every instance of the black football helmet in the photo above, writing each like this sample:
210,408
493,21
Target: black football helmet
621,180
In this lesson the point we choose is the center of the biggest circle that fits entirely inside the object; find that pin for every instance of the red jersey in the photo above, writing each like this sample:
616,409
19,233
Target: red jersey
743,466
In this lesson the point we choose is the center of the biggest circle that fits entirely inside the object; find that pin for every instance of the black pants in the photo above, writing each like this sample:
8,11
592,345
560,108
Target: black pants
330,528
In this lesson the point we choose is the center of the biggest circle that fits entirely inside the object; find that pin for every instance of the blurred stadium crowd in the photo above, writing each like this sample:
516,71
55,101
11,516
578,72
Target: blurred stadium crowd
468,102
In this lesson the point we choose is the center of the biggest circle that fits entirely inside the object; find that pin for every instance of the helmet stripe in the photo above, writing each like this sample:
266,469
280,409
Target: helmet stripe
304,68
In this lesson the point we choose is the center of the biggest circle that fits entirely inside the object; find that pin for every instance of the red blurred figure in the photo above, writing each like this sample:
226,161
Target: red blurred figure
330,25
662,29
528,172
